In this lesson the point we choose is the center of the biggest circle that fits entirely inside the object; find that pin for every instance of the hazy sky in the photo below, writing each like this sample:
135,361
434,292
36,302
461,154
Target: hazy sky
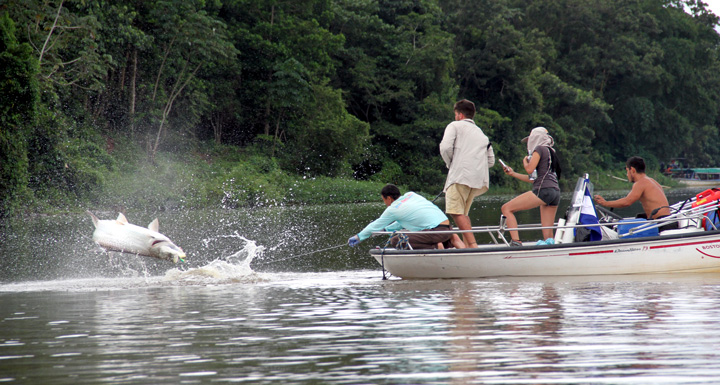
714,6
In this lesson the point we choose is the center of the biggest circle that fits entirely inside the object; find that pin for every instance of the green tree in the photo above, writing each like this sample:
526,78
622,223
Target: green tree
69,66
327,139
654,64
396,70
187,39
281,43
19,97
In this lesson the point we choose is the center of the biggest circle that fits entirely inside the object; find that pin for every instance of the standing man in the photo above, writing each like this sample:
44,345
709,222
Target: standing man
468,155
645,189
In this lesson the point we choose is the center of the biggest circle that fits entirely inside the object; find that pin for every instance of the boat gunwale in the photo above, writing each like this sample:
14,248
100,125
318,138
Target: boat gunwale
495,248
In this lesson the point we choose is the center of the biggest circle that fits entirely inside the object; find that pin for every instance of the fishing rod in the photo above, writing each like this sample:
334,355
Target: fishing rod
625,180
438,196
302,255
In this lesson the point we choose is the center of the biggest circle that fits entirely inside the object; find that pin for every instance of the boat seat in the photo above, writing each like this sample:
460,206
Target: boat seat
681,231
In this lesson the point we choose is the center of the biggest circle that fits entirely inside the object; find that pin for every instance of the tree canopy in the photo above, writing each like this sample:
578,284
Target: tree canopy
351,88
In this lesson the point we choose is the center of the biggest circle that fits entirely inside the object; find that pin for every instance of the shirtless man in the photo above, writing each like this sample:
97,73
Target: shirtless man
645,189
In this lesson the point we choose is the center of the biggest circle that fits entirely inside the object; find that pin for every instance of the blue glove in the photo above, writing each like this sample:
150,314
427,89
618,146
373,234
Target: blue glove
353,241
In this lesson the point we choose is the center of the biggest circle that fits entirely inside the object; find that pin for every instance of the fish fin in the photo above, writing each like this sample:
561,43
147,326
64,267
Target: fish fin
121,219
154,225
94,218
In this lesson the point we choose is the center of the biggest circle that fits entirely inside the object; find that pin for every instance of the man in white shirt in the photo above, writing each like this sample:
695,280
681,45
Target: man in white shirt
468,155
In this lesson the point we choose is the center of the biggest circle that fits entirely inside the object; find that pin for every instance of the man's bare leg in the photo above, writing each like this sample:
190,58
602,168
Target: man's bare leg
457,242
463,223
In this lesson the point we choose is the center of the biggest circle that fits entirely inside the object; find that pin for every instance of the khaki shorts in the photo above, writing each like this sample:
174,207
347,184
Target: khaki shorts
459,197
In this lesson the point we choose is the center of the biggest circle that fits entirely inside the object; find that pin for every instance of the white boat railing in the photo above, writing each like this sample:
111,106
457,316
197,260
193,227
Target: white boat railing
685,217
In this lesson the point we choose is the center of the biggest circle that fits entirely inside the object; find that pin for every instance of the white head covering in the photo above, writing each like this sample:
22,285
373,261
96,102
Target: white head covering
538,137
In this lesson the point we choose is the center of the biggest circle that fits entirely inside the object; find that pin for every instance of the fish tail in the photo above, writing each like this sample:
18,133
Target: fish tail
94,218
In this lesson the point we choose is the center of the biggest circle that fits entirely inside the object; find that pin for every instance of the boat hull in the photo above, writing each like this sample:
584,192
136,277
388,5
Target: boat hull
693,252
697,182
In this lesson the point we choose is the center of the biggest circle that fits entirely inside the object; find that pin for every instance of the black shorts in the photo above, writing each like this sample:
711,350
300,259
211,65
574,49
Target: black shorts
550,196
668,226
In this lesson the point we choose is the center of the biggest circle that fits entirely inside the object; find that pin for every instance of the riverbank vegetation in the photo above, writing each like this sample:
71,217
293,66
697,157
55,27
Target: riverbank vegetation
175,103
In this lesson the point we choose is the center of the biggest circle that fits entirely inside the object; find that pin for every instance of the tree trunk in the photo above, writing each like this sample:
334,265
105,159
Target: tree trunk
269,80
267,118
216,121
124,68
275,138
133,80
177,89
52,29
162,66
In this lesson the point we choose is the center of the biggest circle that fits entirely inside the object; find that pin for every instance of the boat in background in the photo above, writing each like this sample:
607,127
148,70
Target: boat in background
702,176
678,170
628,246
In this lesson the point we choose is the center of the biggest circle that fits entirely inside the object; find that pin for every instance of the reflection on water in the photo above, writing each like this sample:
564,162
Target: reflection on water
352,327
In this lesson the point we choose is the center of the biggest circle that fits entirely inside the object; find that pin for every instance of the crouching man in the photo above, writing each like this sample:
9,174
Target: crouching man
414,213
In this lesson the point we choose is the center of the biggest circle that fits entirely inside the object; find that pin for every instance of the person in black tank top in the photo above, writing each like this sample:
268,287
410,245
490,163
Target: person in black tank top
543,170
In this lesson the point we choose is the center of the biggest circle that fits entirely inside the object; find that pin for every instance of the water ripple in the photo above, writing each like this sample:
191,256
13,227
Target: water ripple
352,327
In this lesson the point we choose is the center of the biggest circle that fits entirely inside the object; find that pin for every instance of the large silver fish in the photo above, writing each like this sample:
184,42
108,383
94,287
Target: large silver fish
120,235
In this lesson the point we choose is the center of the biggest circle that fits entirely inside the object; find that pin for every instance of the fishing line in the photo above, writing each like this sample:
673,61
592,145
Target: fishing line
618,178
302,255
625,180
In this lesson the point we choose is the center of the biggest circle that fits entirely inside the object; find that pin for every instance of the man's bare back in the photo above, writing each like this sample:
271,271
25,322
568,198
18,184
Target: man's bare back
652,197
646,190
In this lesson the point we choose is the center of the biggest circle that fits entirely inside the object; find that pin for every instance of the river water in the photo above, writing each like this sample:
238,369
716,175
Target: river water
266,297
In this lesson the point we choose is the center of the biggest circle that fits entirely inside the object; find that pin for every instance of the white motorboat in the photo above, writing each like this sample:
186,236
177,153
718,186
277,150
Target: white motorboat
698,176
694,246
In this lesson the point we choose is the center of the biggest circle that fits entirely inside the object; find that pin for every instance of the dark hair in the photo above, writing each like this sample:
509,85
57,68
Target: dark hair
466,108
555,162
390,190
636,162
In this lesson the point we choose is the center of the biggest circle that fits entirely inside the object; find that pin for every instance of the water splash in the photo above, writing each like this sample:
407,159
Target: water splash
233,268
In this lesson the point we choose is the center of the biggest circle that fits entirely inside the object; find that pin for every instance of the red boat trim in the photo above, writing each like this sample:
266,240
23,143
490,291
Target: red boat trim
683,244
704,253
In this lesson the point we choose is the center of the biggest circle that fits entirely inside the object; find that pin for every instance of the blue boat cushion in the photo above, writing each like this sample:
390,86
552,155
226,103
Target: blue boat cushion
624,228
711,218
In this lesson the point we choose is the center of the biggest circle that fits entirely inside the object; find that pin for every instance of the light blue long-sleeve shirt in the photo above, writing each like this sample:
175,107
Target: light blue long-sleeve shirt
410,211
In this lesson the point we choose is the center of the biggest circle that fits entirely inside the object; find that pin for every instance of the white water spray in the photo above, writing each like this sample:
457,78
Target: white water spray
231,268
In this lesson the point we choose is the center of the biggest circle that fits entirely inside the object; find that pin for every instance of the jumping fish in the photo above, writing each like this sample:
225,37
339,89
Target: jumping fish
120,235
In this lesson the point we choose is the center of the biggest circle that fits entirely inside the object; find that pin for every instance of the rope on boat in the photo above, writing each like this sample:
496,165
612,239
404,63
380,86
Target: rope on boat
402,244
382,263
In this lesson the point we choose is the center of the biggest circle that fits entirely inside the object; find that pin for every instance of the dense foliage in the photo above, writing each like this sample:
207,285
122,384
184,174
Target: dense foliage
349,89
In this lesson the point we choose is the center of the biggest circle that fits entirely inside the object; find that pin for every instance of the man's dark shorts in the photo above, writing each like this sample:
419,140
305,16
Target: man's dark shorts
550,196
668,226
428,239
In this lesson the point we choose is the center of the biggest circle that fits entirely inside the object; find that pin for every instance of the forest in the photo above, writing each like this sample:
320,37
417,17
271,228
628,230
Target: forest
270,93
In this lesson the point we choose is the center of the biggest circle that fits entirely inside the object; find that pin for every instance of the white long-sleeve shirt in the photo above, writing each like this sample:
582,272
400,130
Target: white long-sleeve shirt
466,153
